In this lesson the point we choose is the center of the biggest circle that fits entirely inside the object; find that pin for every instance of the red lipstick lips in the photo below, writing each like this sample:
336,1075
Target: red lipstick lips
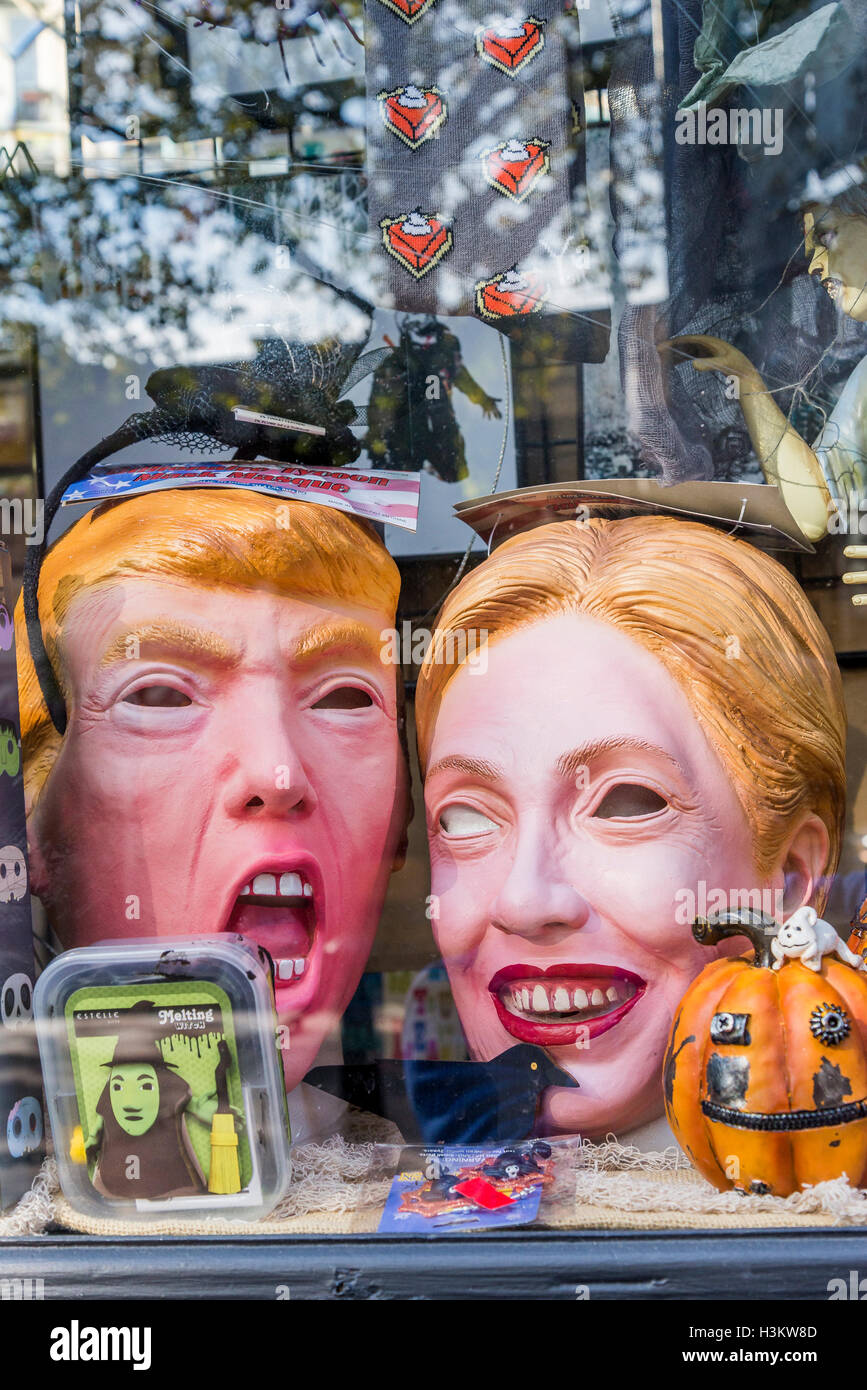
553,1006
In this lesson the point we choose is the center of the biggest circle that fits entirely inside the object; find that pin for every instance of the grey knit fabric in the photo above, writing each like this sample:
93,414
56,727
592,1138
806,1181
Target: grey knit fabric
478,80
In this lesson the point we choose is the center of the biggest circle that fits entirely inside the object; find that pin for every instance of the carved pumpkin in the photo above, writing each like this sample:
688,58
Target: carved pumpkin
765,1074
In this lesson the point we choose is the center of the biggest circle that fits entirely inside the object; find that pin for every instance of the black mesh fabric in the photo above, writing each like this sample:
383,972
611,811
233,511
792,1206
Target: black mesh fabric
733,238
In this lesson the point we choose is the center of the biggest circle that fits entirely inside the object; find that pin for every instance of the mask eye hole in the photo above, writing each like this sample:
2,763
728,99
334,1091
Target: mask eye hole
344,697
157,697
462,821
629,801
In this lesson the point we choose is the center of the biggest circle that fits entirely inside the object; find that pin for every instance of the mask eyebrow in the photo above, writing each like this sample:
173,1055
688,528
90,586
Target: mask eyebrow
569,765
343,638
473,767
169,635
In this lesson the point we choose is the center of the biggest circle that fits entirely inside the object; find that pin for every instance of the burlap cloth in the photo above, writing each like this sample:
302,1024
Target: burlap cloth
340,1184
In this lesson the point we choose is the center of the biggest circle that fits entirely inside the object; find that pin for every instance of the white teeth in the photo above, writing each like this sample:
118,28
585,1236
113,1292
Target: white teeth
560,998
288,885
291,969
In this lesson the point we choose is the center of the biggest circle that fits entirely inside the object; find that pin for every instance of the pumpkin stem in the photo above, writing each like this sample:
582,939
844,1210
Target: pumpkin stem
756,926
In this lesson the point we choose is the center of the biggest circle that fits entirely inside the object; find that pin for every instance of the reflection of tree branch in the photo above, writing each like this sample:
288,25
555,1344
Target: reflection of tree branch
88,113
103,266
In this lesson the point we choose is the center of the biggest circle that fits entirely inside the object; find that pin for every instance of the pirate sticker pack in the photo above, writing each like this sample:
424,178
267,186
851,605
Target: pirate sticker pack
450,1187
159,1076
475,157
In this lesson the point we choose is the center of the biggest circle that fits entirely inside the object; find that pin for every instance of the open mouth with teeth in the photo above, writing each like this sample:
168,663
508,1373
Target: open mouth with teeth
277,908
553,1006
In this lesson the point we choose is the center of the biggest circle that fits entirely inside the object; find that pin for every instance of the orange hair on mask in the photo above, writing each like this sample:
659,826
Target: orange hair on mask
231,537
726,621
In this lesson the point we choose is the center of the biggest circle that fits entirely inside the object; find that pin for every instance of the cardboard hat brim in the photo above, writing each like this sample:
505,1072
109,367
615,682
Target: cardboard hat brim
755,512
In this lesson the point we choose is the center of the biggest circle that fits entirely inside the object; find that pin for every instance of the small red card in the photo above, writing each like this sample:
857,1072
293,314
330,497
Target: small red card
484,1194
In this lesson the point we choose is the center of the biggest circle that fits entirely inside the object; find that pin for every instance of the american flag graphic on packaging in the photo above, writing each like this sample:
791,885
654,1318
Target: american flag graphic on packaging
376,496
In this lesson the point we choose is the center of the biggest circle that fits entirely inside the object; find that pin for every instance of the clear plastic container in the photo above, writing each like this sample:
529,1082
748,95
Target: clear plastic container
163,1080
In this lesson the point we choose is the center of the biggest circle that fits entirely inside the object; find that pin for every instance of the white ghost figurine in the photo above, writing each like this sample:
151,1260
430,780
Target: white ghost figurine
806,937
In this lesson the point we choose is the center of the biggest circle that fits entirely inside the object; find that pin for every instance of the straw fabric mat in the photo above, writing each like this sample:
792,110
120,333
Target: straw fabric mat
339,1188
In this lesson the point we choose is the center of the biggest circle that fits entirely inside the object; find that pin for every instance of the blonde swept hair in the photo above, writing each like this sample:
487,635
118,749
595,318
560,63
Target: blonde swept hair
220,537
725,620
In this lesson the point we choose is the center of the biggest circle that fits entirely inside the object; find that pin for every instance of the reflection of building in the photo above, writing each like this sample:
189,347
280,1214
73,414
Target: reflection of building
33,104
34,133
19,446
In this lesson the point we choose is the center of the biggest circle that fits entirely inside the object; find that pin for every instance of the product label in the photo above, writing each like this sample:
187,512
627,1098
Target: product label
153,1065
385,497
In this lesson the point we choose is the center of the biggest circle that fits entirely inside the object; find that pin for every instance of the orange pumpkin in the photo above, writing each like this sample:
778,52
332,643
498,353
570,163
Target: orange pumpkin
765,1073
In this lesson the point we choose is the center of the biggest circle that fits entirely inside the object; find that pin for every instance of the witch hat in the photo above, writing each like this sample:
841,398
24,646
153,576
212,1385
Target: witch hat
138,1036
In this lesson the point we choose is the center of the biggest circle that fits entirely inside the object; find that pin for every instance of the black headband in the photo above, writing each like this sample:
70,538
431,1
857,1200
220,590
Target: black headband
48,683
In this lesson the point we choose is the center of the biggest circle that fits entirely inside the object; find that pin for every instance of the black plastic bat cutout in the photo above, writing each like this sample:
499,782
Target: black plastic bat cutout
450,1102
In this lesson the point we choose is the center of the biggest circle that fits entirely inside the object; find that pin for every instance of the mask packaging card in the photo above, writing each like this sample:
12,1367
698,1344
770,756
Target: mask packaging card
163,1078
21,1125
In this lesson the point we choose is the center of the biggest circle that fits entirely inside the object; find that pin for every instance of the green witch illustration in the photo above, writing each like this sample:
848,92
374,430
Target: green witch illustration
140,1141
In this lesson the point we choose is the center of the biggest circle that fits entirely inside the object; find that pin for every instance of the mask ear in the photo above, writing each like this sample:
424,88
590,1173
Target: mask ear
35,855
802,863
403,843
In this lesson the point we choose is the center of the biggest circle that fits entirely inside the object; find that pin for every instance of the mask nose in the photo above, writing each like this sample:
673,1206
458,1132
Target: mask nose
818,263
266,772
537,898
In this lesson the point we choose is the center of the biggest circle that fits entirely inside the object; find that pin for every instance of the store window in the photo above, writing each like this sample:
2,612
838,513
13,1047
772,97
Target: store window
454,601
